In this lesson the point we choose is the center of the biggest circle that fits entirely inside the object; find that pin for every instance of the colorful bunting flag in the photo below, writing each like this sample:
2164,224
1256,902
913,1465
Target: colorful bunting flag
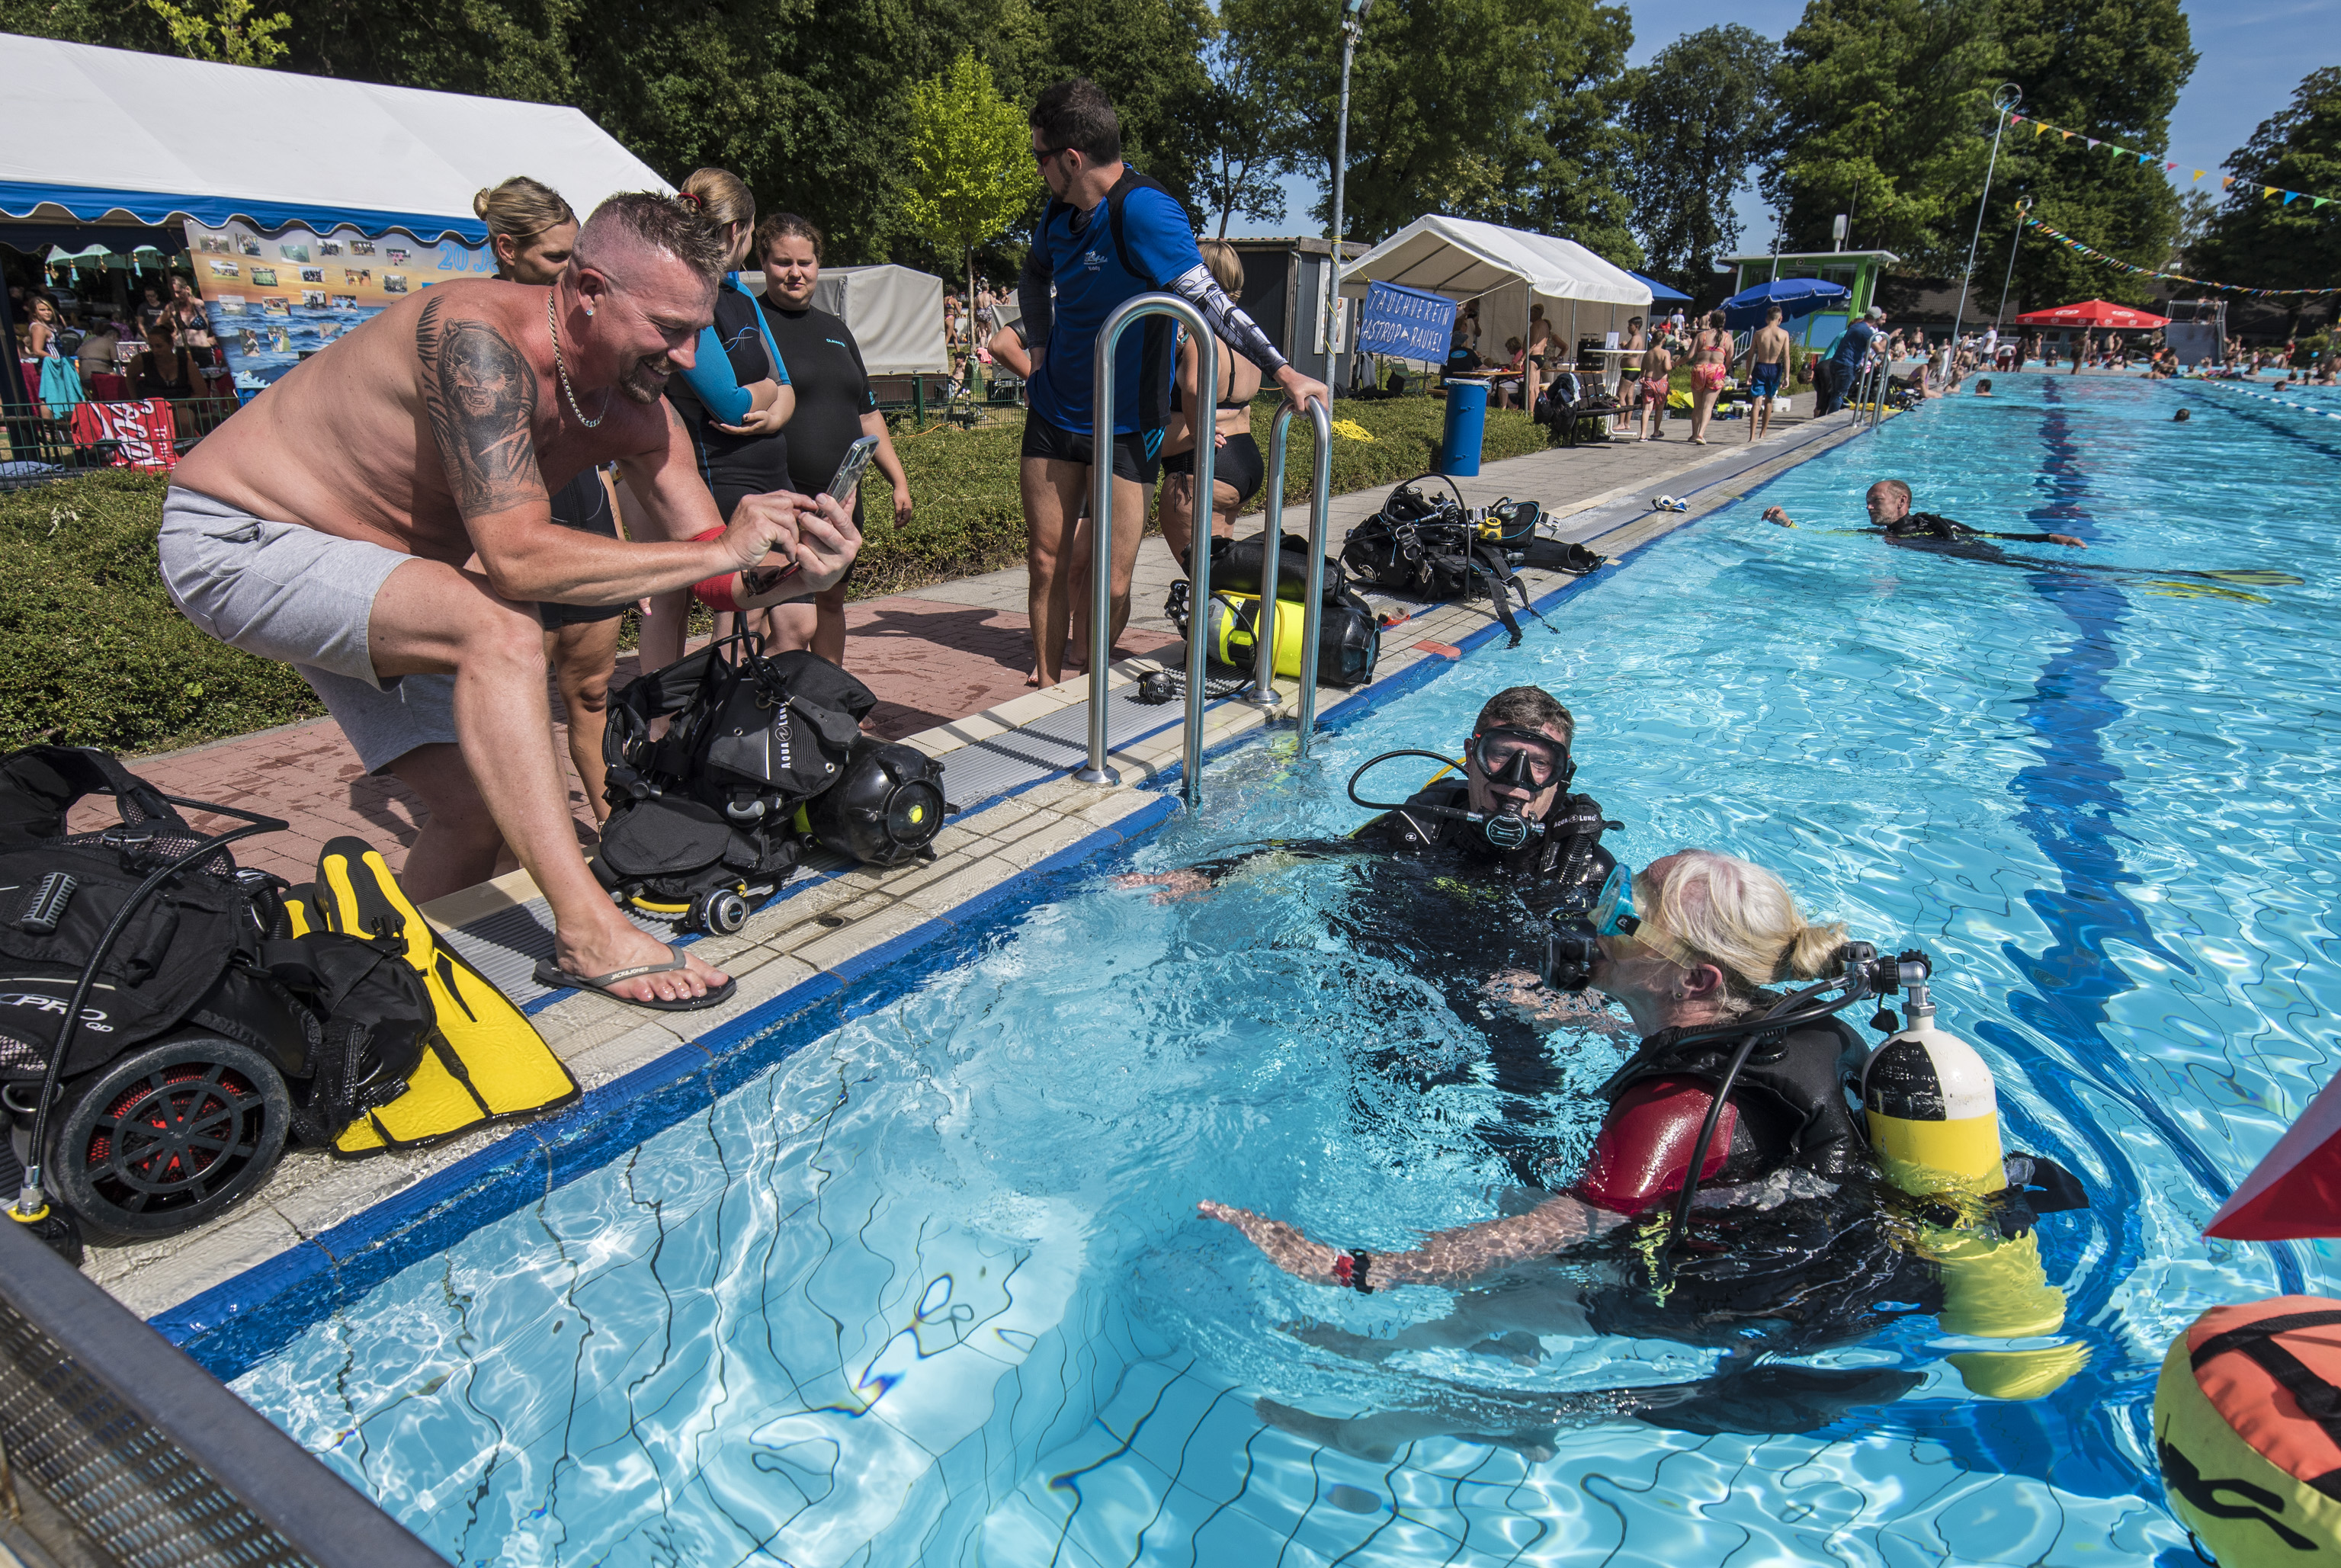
2070,244
2227,182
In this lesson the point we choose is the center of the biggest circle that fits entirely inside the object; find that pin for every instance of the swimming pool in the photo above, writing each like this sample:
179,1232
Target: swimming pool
927,1286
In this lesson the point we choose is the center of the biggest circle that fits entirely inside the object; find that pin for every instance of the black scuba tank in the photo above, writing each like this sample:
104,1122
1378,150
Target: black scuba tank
886,809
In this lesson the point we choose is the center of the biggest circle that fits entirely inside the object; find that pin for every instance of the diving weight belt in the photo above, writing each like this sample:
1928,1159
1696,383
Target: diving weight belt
488,1062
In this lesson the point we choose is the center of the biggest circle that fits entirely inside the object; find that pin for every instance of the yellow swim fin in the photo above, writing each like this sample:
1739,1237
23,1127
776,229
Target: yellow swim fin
490,1064
2167,589
2258,579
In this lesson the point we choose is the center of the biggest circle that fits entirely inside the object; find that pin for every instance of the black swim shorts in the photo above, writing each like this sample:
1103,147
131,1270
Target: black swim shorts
1136,457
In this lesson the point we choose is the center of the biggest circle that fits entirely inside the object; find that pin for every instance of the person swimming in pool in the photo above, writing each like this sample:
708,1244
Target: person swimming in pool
1454,885
1890,515
1799,1253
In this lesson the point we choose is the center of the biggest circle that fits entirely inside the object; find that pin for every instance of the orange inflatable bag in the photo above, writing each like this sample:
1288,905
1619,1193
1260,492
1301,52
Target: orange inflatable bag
2247,1429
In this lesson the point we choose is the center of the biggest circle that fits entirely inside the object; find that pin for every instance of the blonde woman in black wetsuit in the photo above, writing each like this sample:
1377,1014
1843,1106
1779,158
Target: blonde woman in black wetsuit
1240,468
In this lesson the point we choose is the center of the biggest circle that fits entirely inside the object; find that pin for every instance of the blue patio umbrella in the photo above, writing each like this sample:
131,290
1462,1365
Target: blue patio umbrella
1660,293
1797,297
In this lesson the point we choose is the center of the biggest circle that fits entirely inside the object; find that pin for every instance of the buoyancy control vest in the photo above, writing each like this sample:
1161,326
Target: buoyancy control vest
1801,1078
209,950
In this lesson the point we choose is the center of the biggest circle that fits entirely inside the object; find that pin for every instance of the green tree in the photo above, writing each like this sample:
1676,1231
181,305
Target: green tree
235,38
1477,108
1241,128
1884,115
970,153
1700,114
1148,57
2109,70
2266,242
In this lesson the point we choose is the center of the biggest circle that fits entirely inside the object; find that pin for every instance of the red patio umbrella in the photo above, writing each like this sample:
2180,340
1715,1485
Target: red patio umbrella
2296,1192
2092,313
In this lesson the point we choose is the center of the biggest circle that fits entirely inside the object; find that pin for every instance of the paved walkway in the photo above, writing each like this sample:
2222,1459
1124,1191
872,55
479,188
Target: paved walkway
933,656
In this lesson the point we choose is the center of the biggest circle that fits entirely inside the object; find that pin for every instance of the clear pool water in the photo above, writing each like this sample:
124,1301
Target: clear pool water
931,1289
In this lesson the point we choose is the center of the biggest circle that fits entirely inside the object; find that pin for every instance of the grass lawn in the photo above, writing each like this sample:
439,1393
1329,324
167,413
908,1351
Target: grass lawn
93,653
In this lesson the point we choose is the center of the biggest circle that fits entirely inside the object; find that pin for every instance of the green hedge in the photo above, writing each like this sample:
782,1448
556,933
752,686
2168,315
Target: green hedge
93,653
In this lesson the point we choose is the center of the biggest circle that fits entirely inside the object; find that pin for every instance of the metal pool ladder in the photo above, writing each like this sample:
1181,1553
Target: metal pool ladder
1263,690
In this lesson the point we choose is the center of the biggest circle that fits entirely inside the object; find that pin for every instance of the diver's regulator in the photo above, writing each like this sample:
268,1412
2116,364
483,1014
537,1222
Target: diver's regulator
1505,829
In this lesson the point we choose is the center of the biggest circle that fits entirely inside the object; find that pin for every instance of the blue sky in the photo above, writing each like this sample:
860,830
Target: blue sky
2253,53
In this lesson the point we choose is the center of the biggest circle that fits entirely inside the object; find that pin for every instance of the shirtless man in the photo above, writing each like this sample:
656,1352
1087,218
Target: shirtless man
1768,371
379,519
1657,370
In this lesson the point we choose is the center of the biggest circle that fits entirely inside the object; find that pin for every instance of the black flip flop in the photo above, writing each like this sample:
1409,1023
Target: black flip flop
552,977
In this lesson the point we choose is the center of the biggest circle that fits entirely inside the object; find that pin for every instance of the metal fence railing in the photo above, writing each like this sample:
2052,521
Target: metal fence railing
38,444
117,1449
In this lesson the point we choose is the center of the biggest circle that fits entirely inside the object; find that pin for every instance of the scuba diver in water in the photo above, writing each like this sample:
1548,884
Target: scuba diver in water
1454,885
1779,1244
1890,515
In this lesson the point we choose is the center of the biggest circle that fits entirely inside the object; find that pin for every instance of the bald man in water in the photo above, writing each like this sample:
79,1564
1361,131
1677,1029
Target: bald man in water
379,519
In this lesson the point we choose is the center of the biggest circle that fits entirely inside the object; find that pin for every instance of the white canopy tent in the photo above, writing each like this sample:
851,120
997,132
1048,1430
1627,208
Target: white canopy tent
110,136
1507,270
896,314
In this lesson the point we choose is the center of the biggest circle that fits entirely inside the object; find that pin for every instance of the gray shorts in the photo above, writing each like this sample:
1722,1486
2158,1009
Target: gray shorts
294,594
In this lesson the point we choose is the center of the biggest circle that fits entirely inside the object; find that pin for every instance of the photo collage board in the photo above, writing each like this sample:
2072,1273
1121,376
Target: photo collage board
276,297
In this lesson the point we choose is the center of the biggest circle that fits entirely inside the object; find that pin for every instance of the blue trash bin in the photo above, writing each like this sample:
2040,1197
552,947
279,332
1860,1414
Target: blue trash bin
1467,424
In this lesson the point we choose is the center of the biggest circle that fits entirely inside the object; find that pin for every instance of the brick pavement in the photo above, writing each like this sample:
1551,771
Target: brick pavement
940,654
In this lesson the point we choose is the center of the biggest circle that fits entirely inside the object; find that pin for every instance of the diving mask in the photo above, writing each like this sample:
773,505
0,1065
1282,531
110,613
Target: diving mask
1522,759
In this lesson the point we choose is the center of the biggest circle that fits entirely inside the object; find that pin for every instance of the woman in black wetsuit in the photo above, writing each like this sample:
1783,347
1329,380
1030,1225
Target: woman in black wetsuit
531,230
834,409
1238,462
736,397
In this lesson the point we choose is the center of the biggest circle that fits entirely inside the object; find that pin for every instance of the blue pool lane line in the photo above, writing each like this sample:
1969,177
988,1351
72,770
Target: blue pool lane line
235,1323
2071,807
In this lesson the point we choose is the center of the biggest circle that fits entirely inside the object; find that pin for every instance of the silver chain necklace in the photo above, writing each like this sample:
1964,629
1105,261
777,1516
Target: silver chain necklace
563,371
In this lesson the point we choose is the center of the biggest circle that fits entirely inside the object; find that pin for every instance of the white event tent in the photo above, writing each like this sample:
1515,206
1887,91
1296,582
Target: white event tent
895,313
1507,270
96,137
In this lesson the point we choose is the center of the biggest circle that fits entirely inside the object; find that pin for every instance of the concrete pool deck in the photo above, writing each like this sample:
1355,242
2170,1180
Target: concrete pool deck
825,933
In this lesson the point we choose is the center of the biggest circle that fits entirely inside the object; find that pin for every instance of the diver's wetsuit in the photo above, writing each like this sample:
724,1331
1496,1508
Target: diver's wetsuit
1440,901
1941,535
1790,1250
1921,529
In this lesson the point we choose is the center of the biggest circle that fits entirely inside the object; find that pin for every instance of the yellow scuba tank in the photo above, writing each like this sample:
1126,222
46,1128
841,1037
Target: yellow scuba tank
1933,1115
1233,626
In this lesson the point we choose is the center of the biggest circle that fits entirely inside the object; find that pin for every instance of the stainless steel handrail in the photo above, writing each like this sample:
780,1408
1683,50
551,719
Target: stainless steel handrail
1262,691
1199,567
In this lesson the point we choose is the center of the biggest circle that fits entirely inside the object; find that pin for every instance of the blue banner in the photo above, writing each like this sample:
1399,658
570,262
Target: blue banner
1406,322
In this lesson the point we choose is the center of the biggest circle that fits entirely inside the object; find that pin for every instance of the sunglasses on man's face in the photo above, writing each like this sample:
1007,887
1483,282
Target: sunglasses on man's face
1041,155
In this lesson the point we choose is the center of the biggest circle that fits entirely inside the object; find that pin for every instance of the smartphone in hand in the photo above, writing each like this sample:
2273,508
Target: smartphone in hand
847,484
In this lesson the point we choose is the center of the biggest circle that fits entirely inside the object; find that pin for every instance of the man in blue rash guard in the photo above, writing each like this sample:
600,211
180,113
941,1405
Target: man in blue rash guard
1108,233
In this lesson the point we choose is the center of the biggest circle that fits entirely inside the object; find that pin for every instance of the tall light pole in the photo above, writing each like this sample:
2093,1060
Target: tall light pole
2004,98
2015,234
1353,24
